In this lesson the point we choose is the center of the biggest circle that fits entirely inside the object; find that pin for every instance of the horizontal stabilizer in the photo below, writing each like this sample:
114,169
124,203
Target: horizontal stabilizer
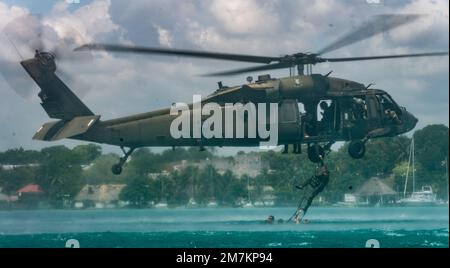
65,129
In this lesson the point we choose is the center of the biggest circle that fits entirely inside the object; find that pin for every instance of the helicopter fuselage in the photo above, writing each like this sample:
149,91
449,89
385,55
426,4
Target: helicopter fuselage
300,118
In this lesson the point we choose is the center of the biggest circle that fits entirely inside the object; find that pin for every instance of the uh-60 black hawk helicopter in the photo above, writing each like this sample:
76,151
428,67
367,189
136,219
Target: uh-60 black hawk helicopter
351,111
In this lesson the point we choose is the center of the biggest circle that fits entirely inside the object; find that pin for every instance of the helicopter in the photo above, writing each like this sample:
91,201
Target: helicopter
335,109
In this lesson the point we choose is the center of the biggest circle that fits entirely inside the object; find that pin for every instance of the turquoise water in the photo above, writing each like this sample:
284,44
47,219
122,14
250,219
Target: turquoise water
226,227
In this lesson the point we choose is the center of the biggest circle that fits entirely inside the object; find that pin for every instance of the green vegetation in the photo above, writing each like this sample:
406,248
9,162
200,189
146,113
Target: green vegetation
176,176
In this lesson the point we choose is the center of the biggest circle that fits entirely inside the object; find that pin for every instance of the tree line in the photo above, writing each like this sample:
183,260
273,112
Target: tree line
62,172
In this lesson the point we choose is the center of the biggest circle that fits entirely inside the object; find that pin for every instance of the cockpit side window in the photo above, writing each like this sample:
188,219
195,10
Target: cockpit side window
373,107
387,103
390,109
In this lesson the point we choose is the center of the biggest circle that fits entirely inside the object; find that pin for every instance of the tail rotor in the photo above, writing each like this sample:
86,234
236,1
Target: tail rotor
31,36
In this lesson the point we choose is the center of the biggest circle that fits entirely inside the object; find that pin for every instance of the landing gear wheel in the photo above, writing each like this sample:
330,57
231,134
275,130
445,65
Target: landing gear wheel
116,169
357,149
316,153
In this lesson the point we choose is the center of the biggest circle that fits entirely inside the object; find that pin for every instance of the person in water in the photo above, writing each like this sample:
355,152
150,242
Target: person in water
315,185
270,219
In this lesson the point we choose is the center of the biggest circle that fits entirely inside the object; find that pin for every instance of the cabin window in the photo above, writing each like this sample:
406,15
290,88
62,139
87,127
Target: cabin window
359,108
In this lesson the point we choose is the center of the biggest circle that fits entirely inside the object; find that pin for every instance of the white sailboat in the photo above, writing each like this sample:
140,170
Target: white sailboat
212,204
424,197
421,198
249,203
162,203
192,203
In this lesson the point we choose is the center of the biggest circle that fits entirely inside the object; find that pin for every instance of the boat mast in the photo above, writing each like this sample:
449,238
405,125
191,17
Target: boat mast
248,188
162,189
413,168
409,164
446,172
192,188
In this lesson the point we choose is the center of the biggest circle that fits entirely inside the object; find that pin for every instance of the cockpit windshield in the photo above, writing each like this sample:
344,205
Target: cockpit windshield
387,103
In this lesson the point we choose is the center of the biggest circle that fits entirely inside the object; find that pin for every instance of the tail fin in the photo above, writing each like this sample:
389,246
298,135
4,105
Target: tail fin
57,99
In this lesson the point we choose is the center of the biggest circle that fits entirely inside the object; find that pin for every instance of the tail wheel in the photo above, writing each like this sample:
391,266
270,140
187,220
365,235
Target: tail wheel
316,153
357,149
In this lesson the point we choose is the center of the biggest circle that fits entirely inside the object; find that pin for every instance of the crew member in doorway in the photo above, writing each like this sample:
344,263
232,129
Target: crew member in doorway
327,116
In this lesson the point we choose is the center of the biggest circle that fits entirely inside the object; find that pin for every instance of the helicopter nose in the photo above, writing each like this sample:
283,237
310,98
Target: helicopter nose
415,120
411,121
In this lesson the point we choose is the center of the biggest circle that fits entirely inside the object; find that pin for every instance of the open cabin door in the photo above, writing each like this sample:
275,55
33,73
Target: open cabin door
289,122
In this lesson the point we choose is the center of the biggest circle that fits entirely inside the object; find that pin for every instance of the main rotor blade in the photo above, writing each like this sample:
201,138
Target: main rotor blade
386,57
36,20
251,69
381,23
178,52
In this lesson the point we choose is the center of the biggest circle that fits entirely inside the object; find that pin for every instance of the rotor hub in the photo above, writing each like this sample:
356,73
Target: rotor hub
47,59
301,59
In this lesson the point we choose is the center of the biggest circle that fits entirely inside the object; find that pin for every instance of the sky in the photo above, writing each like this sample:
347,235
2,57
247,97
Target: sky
115,85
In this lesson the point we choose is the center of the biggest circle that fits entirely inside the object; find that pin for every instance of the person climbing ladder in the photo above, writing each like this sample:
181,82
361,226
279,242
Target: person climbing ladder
313,186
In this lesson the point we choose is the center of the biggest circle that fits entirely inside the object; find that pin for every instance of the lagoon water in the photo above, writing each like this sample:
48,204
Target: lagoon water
226,227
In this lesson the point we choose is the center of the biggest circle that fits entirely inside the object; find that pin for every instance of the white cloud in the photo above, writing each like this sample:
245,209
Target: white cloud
244,17
90,20
313,18
165,38
434,23
8,14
